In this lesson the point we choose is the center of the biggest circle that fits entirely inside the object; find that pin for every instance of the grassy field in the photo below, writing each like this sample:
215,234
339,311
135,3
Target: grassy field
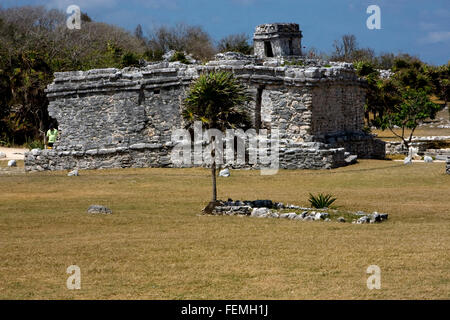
156,245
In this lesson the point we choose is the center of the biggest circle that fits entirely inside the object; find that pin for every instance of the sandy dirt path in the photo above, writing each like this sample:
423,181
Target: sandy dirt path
13,153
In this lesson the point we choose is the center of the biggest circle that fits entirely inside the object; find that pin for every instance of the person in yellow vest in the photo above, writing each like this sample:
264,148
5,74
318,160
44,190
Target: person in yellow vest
52,134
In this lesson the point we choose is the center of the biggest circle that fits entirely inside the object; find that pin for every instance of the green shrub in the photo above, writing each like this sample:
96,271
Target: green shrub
298,63
130,59
367,129
179,56
34,144
6,141
321,201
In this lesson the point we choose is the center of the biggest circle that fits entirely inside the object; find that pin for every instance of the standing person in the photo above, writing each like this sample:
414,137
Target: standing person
52,134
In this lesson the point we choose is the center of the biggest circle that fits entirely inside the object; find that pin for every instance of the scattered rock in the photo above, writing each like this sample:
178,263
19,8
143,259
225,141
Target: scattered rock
168,55
253,209
209,209
352,159
2,155
73,173
260,212
224,173
274,215
292,215
428,159
262,204
232,210
407,160
98,209
321,216
362,220
12,163
278,205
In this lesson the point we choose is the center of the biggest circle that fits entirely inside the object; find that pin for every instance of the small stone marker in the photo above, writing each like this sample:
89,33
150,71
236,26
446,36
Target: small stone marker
97,209
12,163
2,155
428,159
407,160
73,173
224,173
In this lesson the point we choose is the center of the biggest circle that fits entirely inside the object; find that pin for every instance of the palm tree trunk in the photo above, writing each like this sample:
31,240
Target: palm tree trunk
214,186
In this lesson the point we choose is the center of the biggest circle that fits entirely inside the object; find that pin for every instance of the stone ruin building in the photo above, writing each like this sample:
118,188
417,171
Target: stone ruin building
111,118
277,40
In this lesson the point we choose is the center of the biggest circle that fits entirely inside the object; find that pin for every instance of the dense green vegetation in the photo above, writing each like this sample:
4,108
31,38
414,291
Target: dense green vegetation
407,97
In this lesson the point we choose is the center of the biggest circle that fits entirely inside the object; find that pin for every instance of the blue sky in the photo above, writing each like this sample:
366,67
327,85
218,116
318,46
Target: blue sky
419,27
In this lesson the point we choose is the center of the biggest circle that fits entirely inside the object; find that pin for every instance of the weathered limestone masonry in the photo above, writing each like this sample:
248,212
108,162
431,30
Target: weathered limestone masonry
277,40
124,118
114,118
447,165
433,146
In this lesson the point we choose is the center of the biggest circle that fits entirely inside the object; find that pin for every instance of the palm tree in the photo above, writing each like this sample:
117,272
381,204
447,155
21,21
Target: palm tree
218,100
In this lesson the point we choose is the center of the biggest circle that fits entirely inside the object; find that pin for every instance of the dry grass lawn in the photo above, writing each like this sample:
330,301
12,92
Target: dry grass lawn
157,246
387,135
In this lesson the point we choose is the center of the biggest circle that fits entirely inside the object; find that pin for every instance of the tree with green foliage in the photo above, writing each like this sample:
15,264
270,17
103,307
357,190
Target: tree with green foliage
440,80
404,100
415,106
34,43
183,38
235,43
219,101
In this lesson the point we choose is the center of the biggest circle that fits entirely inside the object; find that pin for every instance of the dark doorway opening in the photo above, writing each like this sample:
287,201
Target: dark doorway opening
268,49
258,104
291,48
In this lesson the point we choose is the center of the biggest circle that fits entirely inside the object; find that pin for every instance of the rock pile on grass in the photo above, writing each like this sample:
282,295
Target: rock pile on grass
278,210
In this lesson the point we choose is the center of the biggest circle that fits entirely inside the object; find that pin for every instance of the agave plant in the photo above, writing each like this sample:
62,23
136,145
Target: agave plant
321,201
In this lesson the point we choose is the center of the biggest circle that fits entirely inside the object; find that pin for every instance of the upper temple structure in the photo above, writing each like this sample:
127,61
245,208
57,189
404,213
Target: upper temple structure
111,118
277,40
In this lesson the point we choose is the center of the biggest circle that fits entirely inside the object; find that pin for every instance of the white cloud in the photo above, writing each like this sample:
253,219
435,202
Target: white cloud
436,36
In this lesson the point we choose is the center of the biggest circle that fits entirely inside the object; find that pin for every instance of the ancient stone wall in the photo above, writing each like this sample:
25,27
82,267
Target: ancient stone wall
114,118
433,146
447,165
277,40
